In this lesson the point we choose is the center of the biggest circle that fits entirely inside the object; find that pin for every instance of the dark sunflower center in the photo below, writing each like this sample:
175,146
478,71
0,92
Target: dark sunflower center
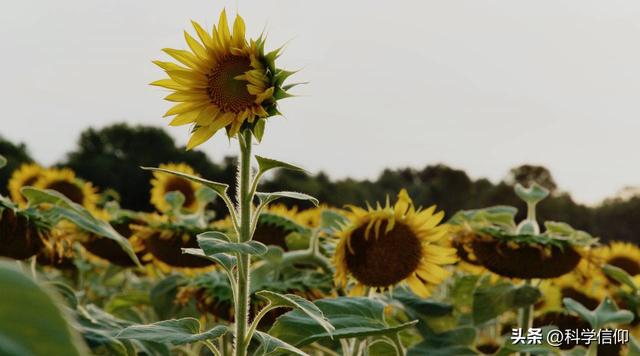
271,235
226,92
627,264
384,261
29,181
587,301
183,186
68,189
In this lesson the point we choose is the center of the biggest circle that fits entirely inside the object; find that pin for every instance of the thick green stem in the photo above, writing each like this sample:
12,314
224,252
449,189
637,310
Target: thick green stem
245,200
526,319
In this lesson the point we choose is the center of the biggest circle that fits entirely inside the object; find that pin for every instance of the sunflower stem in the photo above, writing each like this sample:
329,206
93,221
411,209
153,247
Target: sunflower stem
526,319
245,200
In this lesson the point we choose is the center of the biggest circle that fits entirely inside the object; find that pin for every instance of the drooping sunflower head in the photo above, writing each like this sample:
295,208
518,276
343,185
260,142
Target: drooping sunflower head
25,176
276,226
222,81
623,255
388,245
163,183
65,182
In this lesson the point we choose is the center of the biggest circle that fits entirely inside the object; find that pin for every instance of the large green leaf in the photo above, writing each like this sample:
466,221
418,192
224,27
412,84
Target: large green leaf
267,198
219,188
66,209
452,342
606,313
489,301
31,318
271,346
174,331
215,242
351,317
297,303
267,164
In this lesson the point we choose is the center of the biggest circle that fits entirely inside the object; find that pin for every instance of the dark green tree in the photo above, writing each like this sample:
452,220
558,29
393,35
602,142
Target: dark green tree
16,155
111,158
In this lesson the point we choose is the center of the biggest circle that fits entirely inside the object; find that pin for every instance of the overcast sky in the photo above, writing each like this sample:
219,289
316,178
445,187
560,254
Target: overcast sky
479,85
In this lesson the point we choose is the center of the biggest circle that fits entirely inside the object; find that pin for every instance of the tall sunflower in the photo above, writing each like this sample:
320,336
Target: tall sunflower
25,176
65,182
388,245
163,183
223,81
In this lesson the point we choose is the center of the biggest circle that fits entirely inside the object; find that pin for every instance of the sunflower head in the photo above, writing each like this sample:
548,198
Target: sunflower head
163,183
388,245
65,182
223,81
21,235
623,255
27,175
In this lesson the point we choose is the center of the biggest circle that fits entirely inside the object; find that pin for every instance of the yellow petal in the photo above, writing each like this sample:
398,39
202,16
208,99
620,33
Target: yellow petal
168,83
223,30
168,65
195,46
200,136
187,96
222,121
418,287
207,116
203,35
185,57
186,118
183,108
238,32
188,78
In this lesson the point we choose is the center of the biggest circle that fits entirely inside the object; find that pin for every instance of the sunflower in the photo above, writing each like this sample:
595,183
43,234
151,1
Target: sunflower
21,235
65,182
623,255
24,176
222,82
388,245
163,183
164,242
280,226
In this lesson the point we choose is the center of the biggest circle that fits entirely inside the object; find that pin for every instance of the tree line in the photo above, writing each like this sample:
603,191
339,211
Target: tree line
110,158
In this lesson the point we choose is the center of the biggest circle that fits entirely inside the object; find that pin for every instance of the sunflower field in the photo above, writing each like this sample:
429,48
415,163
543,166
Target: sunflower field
80,275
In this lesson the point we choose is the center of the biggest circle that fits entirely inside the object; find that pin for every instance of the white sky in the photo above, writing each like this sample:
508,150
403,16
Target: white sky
478,85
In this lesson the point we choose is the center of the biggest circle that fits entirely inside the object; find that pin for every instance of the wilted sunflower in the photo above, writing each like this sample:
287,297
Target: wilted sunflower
65,182
25,176
222,82
163,183
383,247
623,255
22,235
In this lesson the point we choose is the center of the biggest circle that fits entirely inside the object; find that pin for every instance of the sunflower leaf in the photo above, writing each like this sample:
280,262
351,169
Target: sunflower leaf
219,188
458,341
33,320
226,261
267,164
489,301
258,129
271,346
606,313
63,208
214,242
267,198
351,317
620,275
3,161
174,331
297,303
